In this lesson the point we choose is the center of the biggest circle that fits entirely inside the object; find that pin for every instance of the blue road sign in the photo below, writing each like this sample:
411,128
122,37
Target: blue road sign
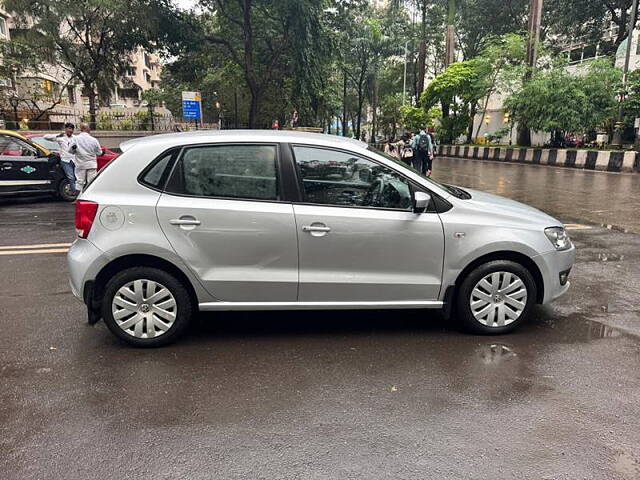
192,105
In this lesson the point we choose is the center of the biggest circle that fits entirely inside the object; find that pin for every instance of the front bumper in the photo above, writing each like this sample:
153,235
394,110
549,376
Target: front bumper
552,265
85,260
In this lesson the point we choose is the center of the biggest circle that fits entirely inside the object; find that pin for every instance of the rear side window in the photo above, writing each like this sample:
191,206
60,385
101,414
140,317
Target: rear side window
156,175
228,171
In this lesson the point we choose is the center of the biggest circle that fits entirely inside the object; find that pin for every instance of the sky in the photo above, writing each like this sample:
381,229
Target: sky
185,4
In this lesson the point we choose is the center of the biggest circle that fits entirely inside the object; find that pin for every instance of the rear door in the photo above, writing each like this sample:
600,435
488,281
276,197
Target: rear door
223,212
22,167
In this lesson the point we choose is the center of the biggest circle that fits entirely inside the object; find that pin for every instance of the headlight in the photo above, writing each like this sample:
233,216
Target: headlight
558,237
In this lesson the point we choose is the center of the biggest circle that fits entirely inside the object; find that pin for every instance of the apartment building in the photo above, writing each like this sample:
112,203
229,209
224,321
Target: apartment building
51,84
142,74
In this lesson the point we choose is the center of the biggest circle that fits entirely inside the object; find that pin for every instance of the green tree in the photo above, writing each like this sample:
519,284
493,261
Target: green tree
460,87
480,22
94,37
559,102
586,19
505,57
264,38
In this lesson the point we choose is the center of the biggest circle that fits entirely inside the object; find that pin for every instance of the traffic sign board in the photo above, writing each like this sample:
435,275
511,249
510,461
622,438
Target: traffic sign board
192,105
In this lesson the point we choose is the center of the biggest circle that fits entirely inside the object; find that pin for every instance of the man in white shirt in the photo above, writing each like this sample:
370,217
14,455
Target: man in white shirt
88,148
67,150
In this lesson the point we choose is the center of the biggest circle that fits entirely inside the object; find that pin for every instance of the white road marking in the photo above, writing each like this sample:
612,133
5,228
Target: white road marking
31,247
577,226
31,252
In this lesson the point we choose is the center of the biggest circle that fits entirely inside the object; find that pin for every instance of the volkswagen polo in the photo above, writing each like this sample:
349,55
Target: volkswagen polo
256,220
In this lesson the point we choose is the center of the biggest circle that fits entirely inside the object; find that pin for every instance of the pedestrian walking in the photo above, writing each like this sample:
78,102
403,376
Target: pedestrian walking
422,152
67,151
87,151
406,152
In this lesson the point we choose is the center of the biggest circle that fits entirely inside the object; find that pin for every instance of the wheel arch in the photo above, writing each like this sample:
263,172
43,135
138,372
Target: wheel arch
95,290
516,257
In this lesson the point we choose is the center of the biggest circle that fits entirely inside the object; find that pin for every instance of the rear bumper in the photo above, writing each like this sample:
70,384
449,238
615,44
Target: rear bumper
85,260
551,265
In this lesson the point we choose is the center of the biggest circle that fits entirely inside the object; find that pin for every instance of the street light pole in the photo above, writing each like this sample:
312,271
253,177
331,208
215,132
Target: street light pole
617,134
404,82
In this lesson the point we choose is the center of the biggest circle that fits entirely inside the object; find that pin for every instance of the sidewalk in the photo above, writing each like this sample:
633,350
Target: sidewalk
605,160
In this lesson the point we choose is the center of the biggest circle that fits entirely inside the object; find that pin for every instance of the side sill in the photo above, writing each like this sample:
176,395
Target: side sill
220,306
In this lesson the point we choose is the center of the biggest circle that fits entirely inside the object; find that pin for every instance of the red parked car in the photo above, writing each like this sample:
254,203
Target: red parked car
106,157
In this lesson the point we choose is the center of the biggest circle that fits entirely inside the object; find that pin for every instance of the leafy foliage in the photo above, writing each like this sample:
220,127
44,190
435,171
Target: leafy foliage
557,101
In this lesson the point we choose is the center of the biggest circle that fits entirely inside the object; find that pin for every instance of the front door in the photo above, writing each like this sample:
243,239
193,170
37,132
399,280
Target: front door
21,167
223,214
359,239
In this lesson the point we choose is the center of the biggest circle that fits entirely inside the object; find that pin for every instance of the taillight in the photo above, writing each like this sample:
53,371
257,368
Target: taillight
85,214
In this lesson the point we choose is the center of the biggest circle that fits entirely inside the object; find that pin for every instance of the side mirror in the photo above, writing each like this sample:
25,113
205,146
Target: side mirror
421,201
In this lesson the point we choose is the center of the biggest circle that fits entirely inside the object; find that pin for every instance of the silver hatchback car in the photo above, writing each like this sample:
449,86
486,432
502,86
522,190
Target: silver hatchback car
261,220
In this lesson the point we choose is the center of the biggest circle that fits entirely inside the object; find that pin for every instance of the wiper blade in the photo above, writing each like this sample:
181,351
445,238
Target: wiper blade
458,192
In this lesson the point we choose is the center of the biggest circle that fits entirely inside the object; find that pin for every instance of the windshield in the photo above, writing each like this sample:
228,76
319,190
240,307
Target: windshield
453,190
53,146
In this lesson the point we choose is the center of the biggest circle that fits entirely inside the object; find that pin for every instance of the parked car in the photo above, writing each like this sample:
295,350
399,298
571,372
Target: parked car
106,157
228,220
27,168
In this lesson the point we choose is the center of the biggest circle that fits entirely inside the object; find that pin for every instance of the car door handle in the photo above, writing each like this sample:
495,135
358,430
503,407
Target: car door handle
316,228
184,221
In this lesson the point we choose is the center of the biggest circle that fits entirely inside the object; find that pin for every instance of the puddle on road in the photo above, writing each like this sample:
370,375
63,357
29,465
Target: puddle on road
610,257
495,353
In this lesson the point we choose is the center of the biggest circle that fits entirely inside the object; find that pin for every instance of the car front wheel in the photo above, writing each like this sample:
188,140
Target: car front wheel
496,297
65,192
146,307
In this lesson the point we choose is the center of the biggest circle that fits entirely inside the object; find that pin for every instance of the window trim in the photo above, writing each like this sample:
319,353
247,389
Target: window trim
165,176
300,201
279,172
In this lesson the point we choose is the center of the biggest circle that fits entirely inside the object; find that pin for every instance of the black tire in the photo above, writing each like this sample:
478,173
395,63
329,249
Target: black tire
64,191
184,306
463,300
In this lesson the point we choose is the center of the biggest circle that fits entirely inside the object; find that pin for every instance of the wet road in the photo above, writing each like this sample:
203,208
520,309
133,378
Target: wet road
571,194
318,395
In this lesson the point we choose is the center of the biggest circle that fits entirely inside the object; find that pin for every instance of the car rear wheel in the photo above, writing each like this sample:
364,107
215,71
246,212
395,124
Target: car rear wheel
496,297
146,307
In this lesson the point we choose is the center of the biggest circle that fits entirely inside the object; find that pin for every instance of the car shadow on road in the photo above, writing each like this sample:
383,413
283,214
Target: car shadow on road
294,323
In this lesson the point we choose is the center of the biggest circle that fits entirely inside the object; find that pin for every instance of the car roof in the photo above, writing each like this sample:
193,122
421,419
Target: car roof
260,136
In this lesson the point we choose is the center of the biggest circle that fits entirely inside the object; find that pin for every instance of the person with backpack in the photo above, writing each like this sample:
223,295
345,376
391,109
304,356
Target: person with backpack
423,151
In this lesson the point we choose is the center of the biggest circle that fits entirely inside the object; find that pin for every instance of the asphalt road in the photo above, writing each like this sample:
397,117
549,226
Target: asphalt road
319,395
603,198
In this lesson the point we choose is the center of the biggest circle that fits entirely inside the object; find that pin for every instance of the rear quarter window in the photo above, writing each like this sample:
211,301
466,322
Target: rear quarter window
155,175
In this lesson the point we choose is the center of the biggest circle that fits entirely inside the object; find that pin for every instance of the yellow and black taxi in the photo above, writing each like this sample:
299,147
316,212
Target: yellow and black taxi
28,168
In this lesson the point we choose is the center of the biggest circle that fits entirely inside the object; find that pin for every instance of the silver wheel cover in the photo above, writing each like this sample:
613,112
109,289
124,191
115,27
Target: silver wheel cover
144,308
498,299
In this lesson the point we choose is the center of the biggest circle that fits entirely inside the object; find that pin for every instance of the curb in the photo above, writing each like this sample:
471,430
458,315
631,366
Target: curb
601,160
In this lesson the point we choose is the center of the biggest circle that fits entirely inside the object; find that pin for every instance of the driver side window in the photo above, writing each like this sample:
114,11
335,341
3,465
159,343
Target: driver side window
332,177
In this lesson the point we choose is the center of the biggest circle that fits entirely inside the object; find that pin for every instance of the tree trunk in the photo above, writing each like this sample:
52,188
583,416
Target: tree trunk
253,108
92,105
344,105
252,82
445,109
472,117
359,117
422,53
450,54
374,100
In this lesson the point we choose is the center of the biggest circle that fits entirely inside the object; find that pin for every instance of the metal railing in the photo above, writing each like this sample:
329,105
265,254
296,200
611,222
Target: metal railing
125,121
